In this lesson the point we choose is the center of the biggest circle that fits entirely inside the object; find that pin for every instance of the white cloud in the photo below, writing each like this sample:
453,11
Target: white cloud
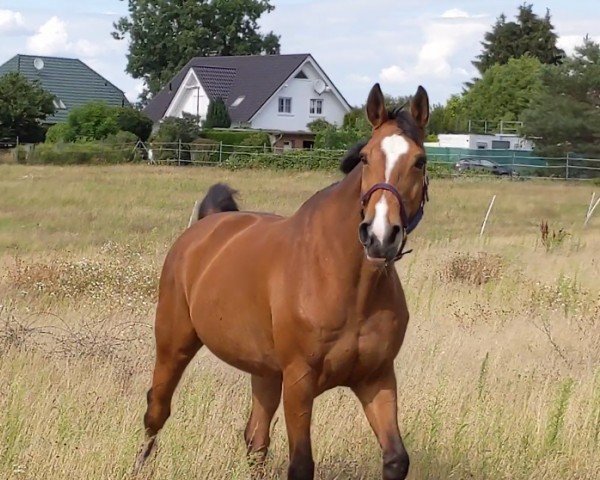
11,22
445,39
569,42
393,74
357,78
85,48
455,13
50,39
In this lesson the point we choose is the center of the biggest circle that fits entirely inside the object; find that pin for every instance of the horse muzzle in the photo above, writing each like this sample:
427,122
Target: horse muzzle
381,245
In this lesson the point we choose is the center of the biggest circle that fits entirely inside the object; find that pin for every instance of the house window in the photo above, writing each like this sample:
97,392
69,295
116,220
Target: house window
288,145
59,104
316,106
301,74
285,105
238,101
500,145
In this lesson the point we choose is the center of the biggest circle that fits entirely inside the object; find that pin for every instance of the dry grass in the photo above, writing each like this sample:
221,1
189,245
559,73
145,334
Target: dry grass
499,376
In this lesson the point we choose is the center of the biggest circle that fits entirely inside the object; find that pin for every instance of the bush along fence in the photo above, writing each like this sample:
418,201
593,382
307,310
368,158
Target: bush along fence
93,153
442,162
247,154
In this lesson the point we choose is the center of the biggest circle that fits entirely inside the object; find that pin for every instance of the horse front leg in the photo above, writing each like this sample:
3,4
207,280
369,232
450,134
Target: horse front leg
379,400
298,398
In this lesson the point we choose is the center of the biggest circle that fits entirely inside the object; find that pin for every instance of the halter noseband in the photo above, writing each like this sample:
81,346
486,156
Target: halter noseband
408,225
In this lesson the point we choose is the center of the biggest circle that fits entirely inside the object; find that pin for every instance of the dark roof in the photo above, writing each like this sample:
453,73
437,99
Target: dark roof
256,77
69,79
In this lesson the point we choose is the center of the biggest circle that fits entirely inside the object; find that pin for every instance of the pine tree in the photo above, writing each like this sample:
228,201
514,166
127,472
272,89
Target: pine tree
529,35
217,116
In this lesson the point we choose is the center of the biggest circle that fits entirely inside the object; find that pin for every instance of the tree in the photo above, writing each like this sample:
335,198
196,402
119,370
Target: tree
504,91
529,35
24,105
449,118
164,35
217,115
565,116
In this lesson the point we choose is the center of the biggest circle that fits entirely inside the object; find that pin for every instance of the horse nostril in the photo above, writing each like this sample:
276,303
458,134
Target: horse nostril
363,233
394,234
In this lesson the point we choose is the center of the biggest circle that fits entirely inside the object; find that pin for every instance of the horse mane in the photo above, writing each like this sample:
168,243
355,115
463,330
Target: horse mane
405,122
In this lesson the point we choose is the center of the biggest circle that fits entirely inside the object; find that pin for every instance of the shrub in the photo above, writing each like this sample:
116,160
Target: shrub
94,121
335,138
61,132
82,153
258,139
121,138
473,269
204,150
318,125
173,139
231,137
288,160
217,115
135,122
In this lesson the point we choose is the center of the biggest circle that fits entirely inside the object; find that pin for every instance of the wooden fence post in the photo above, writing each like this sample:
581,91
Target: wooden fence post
487,215
591,208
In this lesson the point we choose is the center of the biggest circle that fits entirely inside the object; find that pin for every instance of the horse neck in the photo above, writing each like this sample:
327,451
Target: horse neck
334,216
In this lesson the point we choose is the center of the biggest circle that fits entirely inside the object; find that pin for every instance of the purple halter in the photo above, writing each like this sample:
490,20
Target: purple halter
408,224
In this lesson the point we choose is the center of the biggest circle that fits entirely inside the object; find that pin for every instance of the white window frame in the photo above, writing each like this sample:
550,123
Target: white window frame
316,106
284,105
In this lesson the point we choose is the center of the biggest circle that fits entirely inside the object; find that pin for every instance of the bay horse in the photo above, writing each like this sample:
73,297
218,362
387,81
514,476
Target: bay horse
304,303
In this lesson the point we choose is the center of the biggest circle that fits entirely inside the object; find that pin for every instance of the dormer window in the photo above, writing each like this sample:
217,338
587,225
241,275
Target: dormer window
59,104
238,101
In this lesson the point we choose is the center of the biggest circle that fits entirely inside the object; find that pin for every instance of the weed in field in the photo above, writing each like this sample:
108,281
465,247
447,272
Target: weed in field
124,279
474,269
551,240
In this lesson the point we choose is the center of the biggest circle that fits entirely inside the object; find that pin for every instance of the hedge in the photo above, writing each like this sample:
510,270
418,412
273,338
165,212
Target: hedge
287,160
301,160
82,153
228,137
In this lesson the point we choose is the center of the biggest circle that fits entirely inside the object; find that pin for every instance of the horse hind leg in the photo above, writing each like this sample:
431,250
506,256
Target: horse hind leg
176,345
266,396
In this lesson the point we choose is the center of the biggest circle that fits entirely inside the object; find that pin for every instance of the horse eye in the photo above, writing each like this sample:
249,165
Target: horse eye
421,161
363,158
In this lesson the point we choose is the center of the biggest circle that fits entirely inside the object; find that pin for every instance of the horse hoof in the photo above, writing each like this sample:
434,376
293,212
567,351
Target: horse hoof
147,449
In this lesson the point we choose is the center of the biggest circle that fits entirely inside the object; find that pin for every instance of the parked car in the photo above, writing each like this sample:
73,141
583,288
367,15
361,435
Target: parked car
483,165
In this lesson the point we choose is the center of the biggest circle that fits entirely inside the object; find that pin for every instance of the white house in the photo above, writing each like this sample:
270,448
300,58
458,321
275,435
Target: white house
279,94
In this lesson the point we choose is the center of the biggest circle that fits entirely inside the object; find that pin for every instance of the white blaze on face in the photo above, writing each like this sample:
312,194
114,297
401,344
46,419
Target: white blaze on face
394,147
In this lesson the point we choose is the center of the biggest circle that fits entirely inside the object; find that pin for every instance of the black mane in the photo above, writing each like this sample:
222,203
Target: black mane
405,122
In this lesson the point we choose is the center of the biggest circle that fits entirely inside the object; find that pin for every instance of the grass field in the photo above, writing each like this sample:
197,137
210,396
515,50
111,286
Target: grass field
499,376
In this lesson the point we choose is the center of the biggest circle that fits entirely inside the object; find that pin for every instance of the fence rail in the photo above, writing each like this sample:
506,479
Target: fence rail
520,164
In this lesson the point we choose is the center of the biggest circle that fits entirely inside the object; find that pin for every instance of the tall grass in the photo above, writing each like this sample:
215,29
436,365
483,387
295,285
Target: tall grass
499,376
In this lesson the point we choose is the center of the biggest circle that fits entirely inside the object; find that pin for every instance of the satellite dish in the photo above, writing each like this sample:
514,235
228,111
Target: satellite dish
319,86
38,63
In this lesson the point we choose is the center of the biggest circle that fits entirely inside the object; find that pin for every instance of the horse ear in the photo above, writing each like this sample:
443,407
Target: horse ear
419,107
376,111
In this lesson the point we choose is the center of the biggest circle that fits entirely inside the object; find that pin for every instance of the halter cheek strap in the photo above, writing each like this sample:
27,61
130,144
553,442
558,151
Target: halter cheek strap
408,225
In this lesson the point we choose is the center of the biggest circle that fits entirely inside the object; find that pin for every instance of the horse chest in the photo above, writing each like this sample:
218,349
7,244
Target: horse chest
360,348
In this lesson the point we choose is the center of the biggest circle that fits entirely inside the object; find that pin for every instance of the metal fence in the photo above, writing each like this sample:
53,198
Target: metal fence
521,164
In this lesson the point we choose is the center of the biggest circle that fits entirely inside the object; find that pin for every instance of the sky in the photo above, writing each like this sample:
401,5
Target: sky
399,43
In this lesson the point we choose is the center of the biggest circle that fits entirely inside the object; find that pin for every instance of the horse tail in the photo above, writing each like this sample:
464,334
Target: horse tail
219,198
